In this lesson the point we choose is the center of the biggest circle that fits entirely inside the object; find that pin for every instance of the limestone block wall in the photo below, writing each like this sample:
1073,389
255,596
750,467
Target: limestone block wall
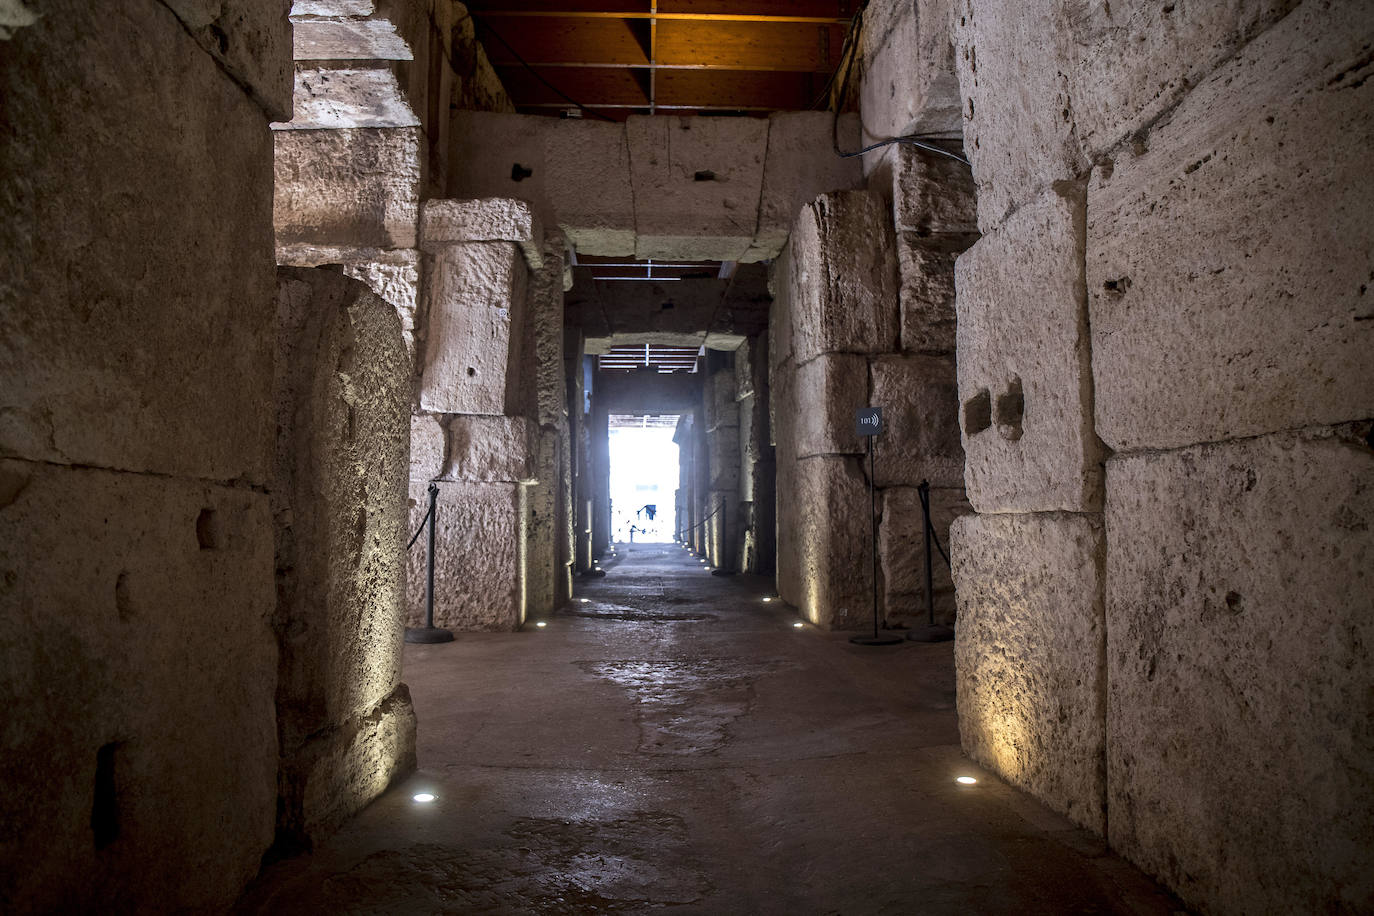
342,392
1164,320
843,336
137,660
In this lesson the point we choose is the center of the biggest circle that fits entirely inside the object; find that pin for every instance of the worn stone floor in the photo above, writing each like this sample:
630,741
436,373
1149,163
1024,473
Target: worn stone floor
672,742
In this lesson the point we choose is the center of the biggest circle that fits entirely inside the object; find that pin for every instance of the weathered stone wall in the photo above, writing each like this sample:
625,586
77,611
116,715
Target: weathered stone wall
1165,318
137,660
343,450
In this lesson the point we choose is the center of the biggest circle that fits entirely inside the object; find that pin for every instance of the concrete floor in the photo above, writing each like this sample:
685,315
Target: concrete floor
673,742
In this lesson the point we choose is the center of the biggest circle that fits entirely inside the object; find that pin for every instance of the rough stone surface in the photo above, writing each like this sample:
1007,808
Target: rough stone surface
1204,328
492,219
1137,59
476,318
823,562
794,174
336,99
919,396
348,39
477,571
1239,656
1023,329
357,187
721,407
902,554
697,183
1014,61
909,84
140,624
428,447
927,292
723,449
932,194
135,332
251,40
820,400
722,528
492,449
393,274
550,407
542,551
1029,655
844,277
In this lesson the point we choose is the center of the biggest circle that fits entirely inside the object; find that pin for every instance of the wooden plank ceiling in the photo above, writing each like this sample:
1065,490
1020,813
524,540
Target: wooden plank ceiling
623,57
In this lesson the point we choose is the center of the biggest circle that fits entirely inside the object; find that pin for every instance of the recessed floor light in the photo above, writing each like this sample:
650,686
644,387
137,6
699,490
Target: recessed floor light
541,624
798,624
423,798
585,600
966,780
766,600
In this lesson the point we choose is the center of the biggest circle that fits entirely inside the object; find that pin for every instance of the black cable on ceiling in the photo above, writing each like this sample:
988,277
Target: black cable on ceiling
483,24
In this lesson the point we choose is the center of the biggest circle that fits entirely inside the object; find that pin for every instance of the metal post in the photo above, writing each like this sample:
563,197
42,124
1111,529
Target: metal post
931,632
875,639
429,633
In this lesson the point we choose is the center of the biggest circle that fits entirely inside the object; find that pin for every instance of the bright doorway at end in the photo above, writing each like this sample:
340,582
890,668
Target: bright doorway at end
644,478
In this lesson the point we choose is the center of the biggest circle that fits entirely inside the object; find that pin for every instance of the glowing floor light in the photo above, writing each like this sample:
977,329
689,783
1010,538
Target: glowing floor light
766,600
966,781
798,625
541,624
585,600
423,798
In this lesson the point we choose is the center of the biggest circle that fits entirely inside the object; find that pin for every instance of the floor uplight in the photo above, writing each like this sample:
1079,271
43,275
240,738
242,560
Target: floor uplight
423,798
966,780
766,600
541,624
798,625
585,600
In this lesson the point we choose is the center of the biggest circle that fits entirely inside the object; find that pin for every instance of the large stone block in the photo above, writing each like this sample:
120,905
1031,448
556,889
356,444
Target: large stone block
545,343
337,98
723,447
251,40
697,184
919,396
478,580
1138,59
1239,635
393,274
428,447
491,219
909,84
722,528
902,556
1028,654
932,195
476,318
357,187
1228,268
542,554
844,277
1025,386
594,205
927,292
721,408
799,167
822,399
780,309
1014,60
492,449
136,283
137,669
823,541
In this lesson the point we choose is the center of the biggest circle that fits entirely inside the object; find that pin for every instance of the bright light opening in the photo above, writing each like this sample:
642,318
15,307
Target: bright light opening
644,478
423,798
966,781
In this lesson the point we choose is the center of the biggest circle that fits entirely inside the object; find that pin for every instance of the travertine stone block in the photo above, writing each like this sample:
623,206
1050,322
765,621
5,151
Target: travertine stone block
337,98
251,40
843,294
491,219
909,83
136,283
491,449
697,184
1014,59
104,669
932,194
800,166
476,317
357,187
902,556
823,564
393,274
428,447
541,585
349,39
722,530
822,399
721,406
1024,381
1228,268
550,406
1238,652
1029,655
480,542
927,292
1138,59
587,162
919,396
723,447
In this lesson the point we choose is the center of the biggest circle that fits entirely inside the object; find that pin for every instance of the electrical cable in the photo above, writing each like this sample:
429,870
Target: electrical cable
483,24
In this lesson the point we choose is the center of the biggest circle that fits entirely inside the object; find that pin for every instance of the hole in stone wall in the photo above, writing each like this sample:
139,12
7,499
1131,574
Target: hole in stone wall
1234,603
471,372
123,604
704,175
1117,287
221,38
105,804
519,173
978,413
1011,407
207,529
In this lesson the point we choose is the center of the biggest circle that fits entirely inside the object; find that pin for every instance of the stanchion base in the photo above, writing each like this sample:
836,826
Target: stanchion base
930,633
428,634
879,640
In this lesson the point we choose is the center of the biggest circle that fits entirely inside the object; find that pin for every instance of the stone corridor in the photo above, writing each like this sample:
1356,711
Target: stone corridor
670,740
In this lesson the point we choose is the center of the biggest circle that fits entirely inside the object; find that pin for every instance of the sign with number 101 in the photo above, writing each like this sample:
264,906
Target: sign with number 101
868,421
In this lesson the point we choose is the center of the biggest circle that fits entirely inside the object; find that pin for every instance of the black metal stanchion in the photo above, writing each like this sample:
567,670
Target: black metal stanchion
931,632
870,423
429,633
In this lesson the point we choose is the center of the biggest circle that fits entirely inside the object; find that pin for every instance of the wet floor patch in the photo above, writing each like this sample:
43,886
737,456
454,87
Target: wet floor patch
639,862
684,706
605,610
